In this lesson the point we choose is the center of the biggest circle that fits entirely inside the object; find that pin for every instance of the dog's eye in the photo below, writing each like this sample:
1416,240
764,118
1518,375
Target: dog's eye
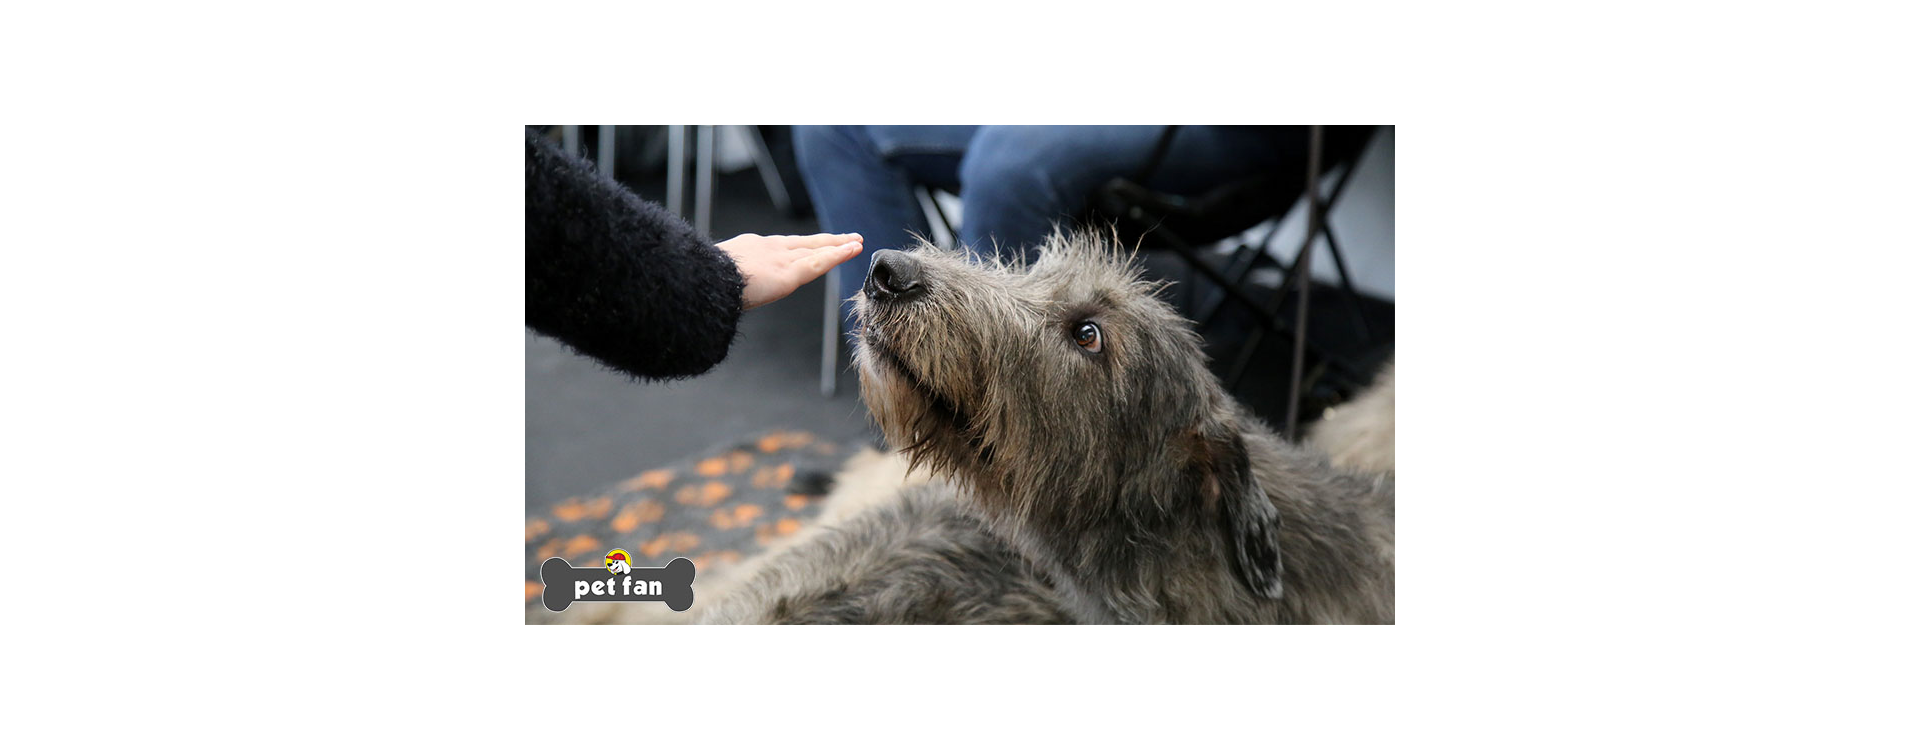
1088,336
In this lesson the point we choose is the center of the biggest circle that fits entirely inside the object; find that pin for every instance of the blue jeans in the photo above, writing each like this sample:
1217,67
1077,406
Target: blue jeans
1015,182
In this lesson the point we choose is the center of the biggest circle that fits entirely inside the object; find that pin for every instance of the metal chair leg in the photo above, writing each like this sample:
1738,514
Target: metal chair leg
677,169
703,179
1303,268
830,338
606,150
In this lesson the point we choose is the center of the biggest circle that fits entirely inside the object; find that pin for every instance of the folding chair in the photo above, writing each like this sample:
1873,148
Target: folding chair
1184,223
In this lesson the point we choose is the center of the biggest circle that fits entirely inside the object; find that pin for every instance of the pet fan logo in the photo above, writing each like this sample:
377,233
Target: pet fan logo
617,580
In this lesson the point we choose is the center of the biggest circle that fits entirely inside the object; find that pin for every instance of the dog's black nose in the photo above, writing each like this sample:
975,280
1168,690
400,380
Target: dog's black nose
894,276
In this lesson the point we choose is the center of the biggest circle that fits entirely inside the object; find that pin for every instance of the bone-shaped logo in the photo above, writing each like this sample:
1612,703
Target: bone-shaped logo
566,584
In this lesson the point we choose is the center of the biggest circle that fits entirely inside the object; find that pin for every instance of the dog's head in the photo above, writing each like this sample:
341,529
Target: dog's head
1065,391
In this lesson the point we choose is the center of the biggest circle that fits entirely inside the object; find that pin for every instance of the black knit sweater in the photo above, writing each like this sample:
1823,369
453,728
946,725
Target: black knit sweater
620,279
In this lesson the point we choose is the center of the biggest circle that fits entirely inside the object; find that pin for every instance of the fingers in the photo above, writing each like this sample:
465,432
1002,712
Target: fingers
816,241
822,260
774,273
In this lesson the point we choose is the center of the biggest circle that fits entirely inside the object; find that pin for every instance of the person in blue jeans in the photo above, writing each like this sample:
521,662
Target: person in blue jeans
1015,182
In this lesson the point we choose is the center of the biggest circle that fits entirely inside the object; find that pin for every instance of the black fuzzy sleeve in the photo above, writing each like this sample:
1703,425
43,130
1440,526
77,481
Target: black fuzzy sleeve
620,279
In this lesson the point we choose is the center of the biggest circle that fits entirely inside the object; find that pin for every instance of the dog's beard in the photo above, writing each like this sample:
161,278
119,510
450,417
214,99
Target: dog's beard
932,428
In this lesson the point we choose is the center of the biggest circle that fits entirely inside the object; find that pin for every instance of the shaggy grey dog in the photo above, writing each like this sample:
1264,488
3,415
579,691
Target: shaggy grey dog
1075,415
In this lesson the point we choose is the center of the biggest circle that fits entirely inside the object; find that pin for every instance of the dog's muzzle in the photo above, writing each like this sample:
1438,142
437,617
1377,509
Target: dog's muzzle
894,277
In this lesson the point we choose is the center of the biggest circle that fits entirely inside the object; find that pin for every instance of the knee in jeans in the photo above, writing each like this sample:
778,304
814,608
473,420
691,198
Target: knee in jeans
1014,179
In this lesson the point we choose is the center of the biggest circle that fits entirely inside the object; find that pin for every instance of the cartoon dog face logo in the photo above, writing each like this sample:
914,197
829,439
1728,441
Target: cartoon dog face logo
618,563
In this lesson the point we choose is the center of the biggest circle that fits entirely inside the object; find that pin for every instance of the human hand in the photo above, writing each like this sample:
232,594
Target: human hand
775,266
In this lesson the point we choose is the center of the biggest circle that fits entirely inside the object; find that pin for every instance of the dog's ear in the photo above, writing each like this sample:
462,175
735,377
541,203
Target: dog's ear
1248,519
1254,527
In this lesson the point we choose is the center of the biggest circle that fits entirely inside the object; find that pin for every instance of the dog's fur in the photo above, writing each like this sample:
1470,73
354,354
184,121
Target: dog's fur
1358,435
1128,481
920,559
